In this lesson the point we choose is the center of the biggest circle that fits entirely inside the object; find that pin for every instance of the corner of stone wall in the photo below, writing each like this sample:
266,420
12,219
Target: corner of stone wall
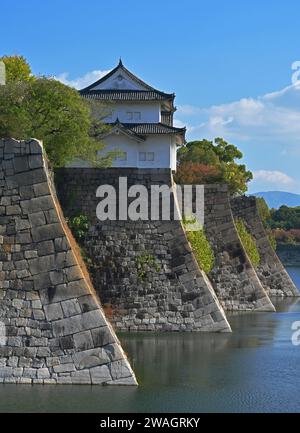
270,271
56,331
233,277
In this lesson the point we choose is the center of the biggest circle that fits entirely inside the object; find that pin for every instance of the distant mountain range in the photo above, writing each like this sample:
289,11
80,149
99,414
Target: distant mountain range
275,199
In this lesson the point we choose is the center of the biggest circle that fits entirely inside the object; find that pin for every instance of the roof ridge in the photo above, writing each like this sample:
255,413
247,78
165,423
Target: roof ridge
131,75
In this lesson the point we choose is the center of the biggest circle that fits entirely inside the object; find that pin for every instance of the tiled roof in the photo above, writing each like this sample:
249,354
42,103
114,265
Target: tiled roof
126,95
140,130
153,128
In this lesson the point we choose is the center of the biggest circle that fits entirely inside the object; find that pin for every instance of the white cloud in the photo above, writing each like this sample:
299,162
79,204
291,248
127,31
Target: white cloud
266,128
81,82
274,117
188,109
178,123
273,176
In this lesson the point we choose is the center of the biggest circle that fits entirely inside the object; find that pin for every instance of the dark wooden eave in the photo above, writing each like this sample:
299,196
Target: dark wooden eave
153,128
126,95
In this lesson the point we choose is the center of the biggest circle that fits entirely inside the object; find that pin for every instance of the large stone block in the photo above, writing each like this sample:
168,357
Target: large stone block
35,161
43,373
71,307
68,326
27,178
46,232
37,219
91,358
62,292
53,311
41,189
45,248
36,204
88,303
82,377
83,340
64,368
100,375
20,164
6,371
102,336
42,264
45,300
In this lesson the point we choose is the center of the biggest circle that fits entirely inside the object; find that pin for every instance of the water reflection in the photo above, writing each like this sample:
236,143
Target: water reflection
253,369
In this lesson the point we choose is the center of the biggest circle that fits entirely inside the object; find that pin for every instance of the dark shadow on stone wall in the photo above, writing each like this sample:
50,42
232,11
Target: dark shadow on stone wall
270,271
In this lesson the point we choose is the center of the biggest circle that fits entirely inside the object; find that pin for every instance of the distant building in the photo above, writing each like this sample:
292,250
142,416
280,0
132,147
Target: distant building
141,119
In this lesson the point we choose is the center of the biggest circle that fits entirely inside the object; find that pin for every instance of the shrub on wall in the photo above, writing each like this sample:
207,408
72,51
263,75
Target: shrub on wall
79,226
248,242
272,241
200,246
146,262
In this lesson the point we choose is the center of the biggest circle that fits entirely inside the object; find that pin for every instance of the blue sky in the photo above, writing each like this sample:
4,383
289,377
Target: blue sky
228,62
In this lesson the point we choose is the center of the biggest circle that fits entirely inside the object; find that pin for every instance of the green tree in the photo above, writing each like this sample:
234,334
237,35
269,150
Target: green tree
285,217
62,119
56,114
198,151
225,151
222,156
14,118
16,69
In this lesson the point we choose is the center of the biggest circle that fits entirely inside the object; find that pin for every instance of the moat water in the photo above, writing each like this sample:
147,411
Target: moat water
254,369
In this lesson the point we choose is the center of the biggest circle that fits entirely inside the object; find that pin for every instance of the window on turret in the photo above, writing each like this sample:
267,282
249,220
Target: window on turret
146,156
122,157
134,115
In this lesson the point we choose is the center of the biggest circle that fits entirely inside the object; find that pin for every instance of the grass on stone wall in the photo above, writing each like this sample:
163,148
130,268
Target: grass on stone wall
248,242
200,246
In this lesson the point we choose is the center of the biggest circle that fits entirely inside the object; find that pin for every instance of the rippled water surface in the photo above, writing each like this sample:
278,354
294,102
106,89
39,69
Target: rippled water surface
256,368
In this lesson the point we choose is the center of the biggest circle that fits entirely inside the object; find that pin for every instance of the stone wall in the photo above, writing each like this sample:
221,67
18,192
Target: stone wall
233,276
55,329
270,271
168,292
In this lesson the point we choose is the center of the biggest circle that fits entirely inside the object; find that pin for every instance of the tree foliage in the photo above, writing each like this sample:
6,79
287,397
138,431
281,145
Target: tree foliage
285,217
189,172
218,155
283,225
55,113
16,69
291,236
79,225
